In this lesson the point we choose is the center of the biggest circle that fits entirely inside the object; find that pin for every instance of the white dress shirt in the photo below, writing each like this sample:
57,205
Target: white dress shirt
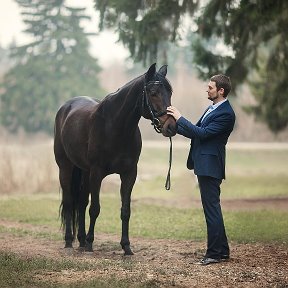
212,108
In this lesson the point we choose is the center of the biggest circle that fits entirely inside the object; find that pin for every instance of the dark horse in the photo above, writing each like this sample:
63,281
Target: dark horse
94,139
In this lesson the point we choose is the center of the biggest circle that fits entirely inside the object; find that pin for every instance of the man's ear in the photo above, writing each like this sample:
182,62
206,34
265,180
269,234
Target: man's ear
150,73
222,91
163,70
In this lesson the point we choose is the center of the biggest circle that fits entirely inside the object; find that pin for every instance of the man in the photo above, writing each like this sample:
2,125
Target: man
207,157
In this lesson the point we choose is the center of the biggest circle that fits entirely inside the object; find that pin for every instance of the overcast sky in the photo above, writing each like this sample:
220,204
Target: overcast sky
103,47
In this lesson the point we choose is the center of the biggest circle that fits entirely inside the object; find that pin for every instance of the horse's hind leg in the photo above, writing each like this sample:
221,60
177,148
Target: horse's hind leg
127,183
95,180
83,202
65,177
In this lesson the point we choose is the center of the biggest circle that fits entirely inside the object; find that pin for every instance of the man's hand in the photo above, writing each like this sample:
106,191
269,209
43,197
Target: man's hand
173,111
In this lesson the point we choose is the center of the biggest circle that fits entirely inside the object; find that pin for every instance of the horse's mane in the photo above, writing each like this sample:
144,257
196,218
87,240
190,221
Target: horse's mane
139,81
135,81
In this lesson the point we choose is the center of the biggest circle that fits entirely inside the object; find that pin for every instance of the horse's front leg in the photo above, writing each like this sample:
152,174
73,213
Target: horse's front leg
127,183
95,180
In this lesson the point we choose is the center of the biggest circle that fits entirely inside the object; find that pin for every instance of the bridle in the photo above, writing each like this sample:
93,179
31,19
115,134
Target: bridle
157,124
153,113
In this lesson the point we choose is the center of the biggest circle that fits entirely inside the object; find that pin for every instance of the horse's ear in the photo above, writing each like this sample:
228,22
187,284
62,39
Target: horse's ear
163,70
150,73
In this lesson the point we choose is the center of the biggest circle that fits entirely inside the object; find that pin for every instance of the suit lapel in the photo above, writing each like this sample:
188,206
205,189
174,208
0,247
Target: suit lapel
217,110
199,121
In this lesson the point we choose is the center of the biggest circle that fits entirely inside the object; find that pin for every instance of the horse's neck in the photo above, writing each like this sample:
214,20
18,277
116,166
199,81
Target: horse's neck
122,107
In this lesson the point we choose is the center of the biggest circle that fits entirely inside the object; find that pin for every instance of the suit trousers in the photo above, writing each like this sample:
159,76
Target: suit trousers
217,244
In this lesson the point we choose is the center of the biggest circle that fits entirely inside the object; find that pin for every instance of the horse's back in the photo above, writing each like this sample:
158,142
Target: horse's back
76,103
79,105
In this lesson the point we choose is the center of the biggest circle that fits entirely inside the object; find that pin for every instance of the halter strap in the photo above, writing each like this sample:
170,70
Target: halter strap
154,114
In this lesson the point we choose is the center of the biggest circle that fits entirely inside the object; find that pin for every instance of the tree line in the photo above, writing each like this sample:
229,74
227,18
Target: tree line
57,66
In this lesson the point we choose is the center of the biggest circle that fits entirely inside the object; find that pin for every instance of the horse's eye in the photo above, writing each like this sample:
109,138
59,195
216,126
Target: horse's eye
153,93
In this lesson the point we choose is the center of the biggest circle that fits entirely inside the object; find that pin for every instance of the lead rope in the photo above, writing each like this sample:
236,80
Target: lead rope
168,181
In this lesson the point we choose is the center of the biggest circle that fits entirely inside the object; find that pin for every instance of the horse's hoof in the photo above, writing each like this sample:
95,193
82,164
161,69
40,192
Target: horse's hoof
81,248
88,247
68,245
127,251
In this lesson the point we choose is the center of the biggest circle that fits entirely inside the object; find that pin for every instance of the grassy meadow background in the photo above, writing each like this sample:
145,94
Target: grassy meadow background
30,193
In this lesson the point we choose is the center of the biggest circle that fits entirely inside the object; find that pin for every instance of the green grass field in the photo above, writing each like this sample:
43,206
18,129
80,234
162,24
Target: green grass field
149,220
250,175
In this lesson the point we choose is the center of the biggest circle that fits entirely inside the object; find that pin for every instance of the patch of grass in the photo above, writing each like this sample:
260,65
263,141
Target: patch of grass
21,232
249,173
257,162
245,226
234,187
257,226
248,176
160,222
113,282
255,186
21,271
17,271
30,209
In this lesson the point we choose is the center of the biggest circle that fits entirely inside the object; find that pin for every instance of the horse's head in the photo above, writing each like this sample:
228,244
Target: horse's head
156,98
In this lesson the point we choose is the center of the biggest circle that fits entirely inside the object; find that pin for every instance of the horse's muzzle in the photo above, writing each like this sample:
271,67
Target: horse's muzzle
169,127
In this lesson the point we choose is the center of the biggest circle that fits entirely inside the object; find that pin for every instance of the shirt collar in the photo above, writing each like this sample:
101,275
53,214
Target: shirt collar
214,106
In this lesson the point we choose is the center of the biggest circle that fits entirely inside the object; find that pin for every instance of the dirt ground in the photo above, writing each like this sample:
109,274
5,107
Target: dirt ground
163,263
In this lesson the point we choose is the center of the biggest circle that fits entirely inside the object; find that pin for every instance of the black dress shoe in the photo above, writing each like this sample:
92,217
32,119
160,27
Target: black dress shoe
207,261
225,257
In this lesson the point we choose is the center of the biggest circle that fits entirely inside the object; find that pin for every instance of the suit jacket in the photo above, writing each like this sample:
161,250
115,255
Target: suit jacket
208,140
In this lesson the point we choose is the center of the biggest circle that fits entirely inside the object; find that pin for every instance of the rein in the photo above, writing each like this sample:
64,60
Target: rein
168,181
157,126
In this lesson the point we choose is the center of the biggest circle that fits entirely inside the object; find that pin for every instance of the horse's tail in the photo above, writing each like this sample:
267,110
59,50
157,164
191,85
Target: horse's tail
70,203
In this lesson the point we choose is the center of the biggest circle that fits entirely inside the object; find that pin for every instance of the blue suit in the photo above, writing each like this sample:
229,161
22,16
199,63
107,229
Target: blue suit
207,157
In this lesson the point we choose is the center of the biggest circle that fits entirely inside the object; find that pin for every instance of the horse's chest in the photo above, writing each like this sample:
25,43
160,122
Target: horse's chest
116,160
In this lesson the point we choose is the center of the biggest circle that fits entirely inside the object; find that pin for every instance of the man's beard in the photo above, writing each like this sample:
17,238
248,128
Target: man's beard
213,98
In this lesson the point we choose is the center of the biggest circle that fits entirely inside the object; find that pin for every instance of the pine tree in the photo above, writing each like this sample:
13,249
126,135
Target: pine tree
145,26
256,33
245,27
54,67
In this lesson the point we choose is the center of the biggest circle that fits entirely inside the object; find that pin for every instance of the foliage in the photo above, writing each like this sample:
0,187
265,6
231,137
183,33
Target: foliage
145,26
54,67
256,34
253,33
269,89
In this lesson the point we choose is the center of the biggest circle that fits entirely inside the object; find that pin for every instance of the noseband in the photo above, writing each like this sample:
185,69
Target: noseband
153,113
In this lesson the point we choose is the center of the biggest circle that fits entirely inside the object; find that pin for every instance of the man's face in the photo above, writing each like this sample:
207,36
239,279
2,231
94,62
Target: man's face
212,91
213,94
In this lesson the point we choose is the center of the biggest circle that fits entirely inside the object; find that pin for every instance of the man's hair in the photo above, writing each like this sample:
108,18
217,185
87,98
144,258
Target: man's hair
222,81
